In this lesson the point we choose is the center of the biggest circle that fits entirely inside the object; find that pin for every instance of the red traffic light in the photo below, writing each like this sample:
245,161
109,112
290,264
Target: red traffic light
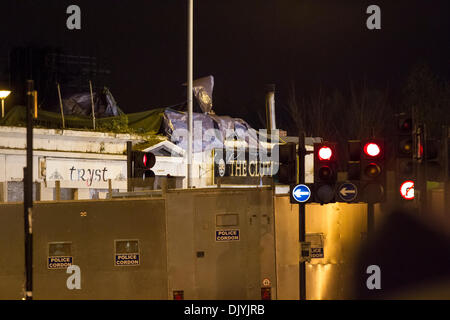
144,159
372,149
405,124
325,153
407,190
325,162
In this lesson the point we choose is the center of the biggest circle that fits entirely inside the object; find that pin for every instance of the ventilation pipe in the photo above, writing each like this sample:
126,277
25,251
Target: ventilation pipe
270,107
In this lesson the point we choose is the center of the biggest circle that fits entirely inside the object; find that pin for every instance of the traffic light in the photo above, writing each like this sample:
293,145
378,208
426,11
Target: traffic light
446,154
354,160
325,164
287,170
142,164
347,191
373,173
325,172
433,159
405,152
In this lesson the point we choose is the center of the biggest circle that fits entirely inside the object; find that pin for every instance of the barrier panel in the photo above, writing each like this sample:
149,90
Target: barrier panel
335,231
205,243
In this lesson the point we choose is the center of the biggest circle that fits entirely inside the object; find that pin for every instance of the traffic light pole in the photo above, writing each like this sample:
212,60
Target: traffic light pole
190,80
28,196
420,164
129,166
423,176
301,214
445,139
370,217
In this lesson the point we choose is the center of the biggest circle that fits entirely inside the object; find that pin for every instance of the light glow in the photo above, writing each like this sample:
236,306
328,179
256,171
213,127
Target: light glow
144,160
407,190
325,153
4,93
372,149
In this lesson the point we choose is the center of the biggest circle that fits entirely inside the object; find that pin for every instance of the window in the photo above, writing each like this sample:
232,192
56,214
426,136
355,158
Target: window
227,219
60,249
126,253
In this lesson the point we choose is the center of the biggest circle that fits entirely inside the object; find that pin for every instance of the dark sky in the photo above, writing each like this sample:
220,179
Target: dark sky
244,44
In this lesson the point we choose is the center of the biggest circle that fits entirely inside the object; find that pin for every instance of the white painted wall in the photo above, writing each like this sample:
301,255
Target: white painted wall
72,145
87,145
67,140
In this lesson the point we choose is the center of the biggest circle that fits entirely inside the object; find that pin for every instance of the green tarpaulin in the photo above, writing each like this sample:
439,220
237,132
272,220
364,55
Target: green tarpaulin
145,122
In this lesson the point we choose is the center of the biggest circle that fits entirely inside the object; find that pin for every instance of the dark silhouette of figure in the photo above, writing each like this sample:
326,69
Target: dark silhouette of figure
414,260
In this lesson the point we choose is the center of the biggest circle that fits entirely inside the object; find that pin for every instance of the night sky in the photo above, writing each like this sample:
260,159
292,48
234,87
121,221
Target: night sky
244,44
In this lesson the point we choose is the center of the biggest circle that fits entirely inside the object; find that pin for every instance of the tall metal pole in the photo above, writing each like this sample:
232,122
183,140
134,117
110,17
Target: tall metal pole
370,217
424,174
61,105
445,140
190,80
28,197
129,166
92,104
420,169
301,213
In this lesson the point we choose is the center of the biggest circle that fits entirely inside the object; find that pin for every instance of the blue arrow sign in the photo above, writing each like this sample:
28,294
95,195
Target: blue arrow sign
301,193
348,191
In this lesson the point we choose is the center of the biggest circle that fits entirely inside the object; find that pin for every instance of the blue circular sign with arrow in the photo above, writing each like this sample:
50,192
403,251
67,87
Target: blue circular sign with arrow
301,193
348,191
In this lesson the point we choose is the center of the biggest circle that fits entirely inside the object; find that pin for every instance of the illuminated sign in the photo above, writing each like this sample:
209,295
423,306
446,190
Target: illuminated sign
301,193
59,262
126,253
407,190
82,173
227,235
241,165
127,259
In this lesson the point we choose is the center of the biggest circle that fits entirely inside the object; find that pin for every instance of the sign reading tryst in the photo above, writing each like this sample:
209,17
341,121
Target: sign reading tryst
82,173
348,191
301,193
227,235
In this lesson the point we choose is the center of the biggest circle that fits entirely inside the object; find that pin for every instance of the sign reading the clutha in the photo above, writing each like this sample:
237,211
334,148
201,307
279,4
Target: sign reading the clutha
74,173
233,165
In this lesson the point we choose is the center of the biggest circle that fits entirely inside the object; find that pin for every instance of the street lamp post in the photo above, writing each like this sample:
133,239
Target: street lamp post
189,87
3,95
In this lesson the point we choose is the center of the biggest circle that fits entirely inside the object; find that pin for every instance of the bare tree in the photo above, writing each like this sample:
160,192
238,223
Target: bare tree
369,113
333,116
429,97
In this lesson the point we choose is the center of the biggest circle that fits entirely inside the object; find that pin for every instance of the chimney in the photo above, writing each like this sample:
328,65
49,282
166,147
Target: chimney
270,107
